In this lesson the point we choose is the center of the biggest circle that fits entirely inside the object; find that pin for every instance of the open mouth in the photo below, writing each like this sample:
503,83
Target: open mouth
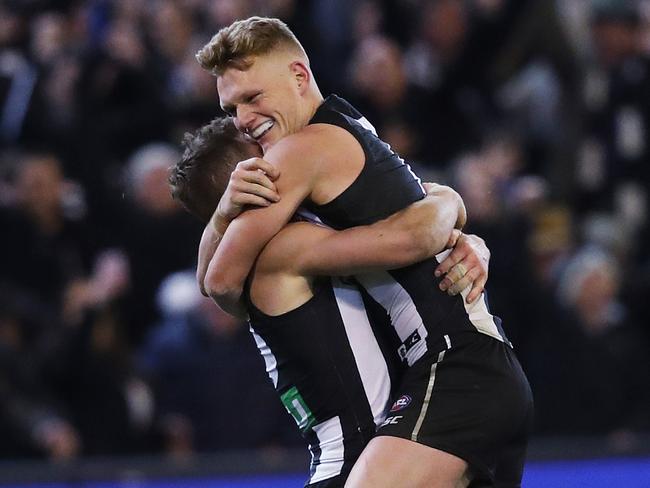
262,129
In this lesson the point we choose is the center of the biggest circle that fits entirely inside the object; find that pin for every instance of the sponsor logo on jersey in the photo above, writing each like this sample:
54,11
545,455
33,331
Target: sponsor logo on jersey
401,403
410,341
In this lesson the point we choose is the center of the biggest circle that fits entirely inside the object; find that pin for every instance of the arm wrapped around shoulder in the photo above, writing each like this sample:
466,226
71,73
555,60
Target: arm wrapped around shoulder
425,227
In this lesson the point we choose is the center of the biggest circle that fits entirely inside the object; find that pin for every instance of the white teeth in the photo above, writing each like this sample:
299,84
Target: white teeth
261,129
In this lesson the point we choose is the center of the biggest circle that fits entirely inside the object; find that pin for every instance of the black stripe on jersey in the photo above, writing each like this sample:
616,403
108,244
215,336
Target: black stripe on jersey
313,354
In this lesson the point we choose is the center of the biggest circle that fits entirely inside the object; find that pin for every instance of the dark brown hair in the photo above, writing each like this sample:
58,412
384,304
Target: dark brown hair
210,155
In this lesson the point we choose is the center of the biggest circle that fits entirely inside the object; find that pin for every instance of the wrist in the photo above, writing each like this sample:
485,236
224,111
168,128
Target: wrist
219,223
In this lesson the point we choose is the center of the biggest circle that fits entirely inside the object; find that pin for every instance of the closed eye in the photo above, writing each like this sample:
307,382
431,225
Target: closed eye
252,98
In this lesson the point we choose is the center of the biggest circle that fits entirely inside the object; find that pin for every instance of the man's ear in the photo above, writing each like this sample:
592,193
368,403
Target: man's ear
301,75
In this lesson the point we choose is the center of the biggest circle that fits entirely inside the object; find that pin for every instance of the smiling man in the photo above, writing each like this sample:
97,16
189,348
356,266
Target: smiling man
327,345
464,403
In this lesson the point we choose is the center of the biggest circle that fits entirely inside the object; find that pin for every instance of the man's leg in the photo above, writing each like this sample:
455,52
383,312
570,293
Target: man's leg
391,461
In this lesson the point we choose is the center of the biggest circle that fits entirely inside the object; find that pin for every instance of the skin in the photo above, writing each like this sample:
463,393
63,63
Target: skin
282,278
317,162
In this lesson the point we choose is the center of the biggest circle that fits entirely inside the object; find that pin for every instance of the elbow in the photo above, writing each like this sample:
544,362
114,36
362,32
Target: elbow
223,290
431,241
419,243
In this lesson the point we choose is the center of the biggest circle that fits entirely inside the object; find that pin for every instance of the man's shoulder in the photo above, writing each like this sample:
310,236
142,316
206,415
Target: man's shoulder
315,134
316,144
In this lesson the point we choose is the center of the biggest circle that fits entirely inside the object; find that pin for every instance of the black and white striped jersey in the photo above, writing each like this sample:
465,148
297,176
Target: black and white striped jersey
327,360
421,314
386,179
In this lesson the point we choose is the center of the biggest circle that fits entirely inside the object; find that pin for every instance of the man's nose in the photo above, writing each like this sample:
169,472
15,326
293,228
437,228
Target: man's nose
244,119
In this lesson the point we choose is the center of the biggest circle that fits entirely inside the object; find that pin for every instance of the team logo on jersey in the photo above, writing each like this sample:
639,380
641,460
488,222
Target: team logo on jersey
401,403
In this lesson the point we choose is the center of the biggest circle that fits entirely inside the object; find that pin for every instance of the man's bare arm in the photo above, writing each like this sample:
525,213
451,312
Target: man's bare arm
247,235
407,237
251,184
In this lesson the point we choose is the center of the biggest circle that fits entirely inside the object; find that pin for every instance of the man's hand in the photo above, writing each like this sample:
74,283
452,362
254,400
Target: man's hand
251,183
466,265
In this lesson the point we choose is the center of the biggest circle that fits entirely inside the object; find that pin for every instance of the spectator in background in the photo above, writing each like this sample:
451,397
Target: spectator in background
599,379
613,166
159,237
613,172
202,362
51,244
502,203
31,421
392,106
53,267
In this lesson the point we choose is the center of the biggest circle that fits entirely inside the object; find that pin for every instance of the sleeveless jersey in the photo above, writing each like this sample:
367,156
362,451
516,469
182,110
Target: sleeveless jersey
327,360
421,314
385,178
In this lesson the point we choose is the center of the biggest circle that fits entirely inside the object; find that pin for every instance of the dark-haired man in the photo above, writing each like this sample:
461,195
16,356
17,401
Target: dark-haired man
325,342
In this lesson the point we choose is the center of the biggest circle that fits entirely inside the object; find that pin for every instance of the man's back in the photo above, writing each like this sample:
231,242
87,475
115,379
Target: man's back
320,339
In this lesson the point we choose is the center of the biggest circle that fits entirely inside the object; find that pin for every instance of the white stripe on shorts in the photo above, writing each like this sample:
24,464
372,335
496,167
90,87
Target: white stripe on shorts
427,398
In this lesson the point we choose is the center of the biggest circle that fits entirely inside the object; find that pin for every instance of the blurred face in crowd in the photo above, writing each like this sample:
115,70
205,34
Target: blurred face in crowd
379,59
49,36
615,41
172,30
40,185
445,26
153,192
225,12
267,100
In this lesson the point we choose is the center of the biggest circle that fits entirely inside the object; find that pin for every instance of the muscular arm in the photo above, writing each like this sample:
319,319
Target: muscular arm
247,235
409,236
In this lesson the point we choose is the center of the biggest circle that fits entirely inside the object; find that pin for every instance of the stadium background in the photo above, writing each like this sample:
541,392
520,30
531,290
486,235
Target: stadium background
112,367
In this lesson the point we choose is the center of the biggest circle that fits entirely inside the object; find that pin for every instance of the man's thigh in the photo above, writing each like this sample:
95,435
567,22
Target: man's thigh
471,401
389,462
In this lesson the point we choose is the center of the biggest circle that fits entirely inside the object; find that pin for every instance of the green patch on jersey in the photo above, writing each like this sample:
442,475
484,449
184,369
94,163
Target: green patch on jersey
296,406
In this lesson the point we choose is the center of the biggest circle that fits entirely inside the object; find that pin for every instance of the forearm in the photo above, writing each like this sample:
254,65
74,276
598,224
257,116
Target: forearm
412,235
235,255
426,226
212,235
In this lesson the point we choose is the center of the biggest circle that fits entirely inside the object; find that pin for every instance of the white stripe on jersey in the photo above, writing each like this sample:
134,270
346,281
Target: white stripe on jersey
270,360
367,354
309,216
365,123
400,307
330,442
477,312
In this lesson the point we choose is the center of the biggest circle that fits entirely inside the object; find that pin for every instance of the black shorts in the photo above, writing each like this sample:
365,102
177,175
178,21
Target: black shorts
469,398
334,482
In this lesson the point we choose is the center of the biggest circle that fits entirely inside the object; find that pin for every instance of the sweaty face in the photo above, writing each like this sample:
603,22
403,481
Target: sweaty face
264,100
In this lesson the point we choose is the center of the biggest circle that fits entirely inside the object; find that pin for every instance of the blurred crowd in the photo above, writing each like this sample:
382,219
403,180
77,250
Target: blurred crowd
536,111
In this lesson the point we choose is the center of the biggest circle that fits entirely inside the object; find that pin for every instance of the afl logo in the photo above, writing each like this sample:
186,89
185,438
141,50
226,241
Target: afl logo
400,403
